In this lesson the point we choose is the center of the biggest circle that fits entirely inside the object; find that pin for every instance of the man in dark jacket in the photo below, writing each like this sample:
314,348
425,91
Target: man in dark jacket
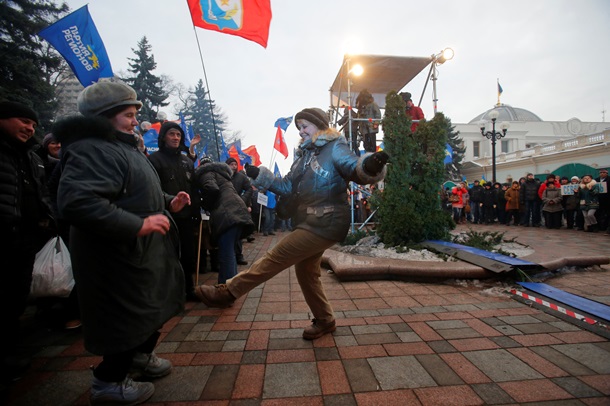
531,201
24,220
242,186
476,198
603,213
176,171
123,245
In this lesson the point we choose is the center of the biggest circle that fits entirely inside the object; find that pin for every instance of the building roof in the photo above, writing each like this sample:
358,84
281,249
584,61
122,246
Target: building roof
507,113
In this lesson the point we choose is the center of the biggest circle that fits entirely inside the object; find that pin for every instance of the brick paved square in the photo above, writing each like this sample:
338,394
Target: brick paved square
400,373
501,366
587,354
291,380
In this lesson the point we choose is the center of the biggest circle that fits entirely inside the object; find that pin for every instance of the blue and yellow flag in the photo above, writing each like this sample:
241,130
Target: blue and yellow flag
77,40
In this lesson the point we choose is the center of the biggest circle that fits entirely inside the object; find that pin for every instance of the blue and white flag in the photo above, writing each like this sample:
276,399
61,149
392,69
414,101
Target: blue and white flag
283,122
77,40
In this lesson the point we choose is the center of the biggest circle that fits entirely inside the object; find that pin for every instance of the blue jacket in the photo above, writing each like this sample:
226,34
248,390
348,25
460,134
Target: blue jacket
319,178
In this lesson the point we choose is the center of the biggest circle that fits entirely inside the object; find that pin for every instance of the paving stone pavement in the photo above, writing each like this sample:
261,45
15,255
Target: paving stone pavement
398,342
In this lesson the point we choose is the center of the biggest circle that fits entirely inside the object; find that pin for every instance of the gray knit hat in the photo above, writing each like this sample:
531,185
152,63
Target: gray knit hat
103,96
315,116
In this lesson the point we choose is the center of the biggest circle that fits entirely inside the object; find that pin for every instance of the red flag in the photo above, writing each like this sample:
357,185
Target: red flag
234,154
249,19
256,158
280,143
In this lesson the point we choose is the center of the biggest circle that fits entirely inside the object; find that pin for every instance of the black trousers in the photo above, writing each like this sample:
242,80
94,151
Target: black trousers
188,254
115,367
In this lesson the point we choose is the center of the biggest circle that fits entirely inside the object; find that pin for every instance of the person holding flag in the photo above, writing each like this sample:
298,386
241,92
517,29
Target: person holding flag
317,183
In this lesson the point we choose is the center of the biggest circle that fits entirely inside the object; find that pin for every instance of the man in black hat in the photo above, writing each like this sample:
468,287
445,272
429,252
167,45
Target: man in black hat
24,221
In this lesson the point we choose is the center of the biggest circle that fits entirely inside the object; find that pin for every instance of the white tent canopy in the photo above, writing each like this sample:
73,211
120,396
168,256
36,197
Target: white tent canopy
381,74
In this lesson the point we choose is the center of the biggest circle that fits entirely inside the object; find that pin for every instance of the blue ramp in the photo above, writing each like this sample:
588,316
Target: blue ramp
577,302
514,262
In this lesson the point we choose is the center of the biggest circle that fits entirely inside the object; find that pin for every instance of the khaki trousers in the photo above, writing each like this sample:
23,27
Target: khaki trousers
300,248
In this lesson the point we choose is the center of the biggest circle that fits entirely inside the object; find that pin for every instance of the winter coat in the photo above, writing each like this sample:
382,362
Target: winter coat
371,110
128,286
243,187
529,190
512,198
319,179
462,194
176,172
551,200
490,197
588,195
219,197
542,188
476,193
14,156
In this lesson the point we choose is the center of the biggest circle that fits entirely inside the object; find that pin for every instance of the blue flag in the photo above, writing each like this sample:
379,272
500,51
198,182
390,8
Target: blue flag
276,172
500,90
283,122
448,155
151,140
77,40
224,152
200,152
190,134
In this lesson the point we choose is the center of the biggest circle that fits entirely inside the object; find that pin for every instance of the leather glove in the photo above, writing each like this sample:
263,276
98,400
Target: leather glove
252,171
375,163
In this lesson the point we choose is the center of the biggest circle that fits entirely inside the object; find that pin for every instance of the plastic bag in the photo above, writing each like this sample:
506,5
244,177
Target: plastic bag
52,275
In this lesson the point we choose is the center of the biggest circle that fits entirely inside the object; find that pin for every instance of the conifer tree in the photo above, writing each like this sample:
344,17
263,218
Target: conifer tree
453,170
28,66
409,206
197,110
147,86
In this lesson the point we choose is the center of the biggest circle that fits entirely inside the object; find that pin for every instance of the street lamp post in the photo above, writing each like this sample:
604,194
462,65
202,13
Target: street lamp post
494,136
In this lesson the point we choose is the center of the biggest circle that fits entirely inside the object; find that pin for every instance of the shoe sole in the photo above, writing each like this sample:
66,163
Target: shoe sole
320,334
206,302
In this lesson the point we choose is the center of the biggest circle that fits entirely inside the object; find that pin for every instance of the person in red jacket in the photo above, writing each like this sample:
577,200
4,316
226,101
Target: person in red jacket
413,111
542,187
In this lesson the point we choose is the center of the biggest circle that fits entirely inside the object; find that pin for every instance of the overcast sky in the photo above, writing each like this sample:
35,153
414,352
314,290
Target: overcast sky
551,56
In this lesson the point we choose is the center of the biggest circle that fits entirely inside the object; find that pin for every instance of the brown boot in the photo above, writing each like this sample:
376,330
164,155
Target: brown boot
318,329
215,296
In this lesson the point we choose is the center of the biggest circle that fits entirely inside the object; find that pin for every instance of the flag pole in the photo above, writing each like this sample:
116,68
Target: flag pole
205,76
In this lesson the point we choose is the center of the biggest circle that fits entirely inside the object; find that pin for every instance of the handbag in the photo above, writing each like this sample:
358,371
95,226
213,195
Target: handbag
454,198
52,274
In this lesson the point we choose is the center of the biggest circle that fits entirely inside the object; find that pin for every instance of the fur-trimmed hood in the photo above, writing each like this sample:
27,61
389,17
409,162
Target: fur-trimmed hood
319,139
219,167
76,128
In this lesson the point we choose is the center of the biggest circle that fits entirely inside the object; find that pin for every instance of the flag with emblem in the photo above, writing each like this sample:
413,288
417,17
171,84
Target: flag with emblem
249,19
76,38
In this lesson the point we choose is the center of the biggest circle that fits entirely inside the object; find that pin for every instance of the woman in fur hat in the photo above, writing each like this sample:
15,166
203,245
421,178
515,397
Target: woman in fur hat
317,181
123,245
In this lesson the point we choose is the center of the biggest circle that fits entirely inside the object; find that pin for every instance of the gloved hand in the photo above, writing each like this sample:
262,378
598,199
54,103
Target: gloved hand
252,171
375,163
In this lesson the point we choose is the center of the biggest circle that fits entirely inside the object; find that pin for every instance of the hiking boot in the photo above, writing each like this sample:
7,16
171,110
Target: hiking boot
318,329
127,392
150,365
215,296
242,261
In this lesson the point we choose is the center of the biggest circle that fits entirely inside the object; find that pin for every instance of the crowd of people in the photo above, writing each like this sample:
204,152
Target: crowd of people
133,223
573,203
